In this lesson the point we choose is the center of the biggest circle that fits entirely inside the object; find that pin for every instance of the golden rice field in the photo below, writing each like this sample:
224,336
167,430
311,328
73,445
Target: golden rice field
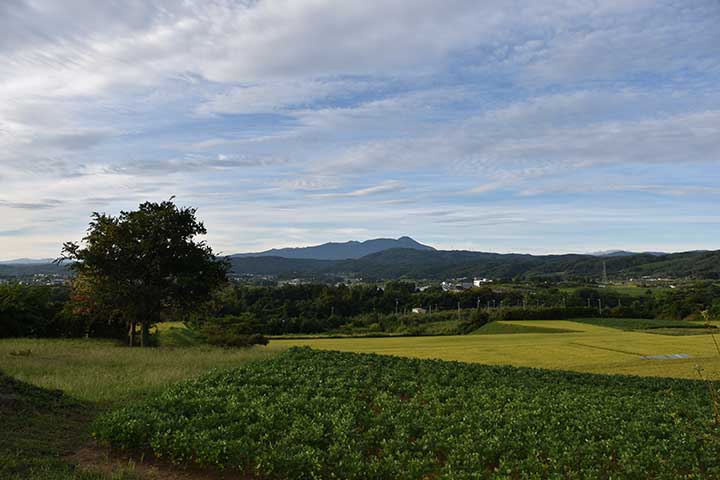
588,348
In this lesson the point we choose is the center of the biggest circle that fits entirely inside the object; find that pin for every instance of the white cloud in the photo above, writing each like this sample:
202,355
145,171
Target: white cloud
545,135
272,110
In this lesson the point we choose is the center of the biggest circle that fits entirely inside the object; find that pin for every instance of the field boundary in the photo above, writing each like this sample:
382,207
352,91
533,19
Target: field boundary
608,349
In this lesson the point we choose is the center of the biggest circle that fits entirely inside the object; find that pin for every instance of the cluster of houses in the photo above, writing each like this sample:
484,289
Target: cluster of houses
47,279
455,285
460,284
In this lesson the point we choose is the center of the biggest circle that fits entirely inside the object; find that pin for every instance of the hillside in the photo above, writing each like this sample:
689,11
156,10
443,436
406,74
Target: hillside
283,267
340,251
437,264
25,269
444,264
26,261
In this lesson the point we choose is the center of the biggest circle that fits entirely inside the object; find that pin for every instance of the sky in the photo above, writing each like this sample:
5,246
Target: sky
507,126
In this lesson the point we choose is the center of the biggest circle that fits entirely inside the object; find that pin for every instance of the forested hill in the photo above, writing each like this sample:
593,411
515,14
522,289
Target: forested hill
441,265
437,264
10,270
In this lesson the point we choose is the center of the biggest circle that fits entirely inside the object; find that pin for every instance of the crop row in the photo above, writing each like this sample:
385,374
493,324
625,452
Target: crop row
319,414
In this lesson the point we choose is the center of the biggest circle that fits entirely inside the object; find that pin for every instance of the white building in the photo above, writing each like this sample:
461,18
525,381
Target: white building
456,285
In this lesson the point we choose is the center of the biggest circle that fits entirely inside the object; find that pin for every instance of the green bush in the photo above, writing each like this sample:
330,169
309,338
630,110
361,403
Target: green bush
33,311
477,319
223,339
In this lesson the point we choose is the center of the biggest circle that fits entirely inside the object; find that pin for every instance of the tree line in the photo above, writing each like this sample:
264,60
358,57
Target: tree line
314,308
149,265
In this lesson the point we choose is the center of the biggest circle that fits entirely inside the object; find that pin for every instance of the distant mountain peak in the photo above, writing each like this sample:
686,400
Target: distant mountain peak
624,253
341,250
27,261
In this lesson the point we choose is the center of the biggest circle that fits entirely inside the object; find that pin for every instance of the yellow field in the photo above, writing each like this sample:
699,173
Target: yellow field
589,348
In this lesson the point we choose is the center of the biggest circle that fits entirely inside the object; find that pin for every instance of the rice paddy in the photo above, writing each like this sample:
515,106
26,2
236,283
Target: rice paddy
583,348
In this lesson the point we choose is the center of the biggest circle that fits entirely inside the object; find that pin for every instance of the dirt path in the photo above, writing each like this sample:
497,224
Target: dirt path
101,459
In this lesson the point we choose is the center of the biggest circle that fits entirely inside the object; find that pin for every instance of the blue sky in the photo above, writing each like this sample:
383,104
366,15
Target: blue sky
540,127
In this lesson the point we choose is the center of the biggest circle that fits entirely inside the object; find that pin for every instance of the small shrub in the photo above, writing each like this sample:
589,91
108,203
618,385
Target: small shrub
224,339
477,319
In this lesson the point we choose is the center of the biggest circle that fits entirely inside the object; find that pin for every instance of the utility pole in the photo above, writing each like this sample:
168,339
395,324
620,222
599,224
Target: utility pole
397,302
600,306
478,303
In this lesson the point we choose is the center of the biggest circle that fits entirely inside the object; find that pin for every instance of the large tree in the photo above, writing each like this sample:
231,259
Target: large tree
145,264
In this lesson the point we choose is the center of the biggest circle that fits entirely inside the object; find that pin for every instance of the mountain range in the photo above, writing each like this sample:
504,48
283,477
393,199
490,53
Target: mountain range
27,261
624,253
439,265
340,251
387,258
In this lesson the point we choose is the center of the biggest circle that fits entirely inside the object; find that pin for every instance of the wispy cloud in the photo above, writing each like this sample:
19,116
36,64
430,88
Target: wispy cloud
302,121
385,187
41,205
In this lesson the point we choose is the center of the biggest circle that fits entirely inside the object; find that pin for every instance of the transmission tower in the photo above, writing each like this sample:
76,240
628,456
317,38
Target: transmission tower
604,274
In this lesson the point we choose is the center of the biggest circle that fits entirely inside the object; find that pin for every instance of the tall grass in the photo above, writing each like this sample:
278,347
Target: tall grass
106,372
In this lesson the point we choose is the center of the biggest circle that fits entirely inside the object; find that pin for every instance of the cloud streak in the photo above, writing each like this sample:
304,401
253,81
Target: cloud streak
294,122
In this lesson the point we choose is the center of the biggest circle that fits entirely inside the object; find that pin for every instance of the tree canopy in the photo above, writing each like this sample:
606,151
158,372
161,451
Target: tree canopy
134,268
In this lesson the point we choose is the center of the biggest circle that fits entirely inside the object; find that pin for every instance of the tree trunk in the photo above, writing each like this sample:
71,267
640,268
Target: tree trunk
144,333
132,333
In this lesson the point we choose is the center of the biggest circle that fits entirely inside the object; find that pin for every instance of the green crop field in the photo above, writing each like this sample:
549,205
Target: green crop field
96,376
586,348
314,414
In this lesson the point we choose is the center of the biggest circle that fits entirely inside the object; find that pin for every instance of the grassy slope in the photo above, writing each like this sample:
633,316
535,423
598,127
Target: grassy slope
38,426
105,372
497,328
445,327
589,348
176,334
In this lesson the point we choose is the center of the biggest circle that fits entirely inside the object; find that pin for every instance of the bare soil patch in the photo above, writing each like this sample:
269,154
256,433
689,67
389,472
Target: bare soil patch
101,459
